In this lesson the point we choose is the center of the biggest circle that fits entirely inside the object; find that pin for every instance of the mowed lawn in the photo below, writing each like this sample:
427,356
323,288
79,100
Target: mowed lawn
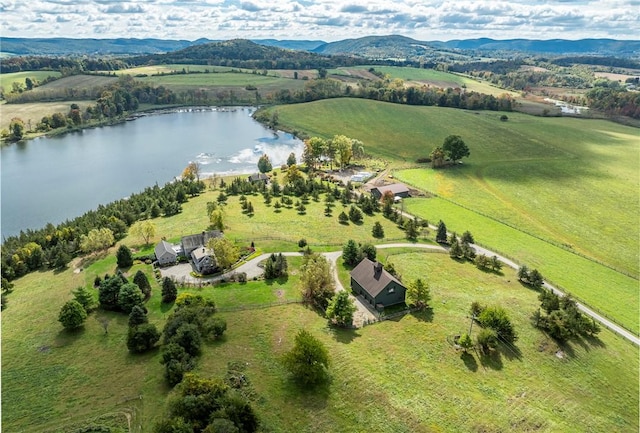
571,182
397,376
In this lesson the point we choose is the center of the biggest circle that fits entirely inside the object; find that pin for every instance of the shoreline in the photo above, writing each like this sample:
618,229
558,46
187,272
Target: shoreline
131,117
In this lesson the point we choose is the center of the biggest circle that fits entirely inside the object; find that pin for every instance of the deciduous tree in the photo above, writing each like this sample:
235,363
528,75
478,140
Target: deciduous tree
308,360
341,308
225,251
316,281
144,229
97,240
455,148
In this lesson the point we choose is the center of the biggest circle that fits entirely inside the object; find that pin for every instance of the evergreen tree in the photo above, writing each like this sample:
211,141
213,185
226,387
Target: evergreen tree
350,253
455,251
138,316
377,231
418,294
343,218
141,280
124,257
169,290
467,238
441,234
129,296
142,338
411,230
85,298
355,215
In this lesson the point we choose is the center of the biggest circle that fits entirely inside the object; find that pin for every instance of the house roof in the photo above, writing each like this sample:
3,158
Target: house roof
372,277
395,188
258,176
164,247
199,239
200,253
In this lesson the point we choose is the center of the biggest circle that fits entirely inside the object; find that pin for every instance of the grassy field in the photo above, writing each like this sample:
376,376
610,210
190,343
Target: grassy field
536,174
173,68
431,77
396,376
7,80
35,111
266,228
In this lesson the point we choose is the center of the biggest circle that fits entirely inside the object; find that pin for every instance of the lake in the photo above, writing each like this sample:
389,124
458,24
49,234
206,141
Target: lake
54,179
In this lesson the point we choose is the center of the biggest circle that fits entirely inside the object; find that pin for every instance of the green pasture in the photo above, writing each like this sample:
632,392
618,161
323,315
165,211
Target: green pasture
606,290
7,80
78,82
172,69
403,376
221,79
572,182
435,78
399,375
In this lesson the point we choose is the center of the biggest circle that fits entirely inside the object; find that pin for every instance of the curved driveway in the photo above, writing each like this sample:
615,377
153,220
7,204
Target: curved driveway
365,313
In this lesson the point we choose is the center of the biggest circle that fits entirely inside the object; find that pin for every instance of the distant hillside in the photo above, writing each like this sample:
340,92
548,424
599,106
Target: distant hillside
609,47
69,46
243,53
404,47
378,47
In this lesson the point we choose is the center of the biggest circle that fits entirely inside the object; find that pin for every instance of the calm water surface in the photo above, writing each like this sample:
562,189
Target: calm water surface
54,179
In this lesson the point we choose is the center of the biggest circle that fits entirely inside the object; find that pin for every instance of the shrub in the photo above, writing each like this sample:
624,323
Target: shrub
142,338
72,315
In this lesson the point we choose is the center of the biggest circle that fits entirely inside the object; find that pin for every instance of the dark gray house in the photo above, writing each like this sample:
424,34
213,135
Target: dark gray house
191,242
259,177
397,189
377,286
165,254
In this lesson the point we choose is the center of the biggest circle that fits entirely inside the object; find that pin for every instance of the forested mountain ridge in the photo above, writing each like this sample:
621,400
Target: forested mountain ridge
369,46
246,54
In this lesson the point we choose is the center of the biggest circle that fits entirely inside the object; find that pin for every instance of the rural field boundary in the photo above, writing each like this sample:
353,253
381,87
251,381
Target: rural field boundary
548,241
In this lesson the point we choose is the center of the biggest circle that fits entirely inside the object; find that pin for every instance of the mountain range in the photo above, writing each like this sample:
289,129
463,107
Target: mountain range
392,46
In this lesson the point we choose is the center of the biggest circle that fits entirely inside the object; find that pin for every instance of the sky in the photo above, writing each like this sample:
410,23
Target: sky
325,20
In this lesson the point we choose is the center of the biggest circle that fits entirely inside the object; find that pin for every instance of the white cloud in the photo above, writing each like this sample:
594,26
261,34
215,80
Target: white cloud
323,19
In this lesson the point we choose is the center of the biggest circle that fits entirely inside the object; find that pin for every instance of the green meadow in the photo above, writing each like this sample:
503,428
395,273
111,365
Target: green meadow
571,182
400,375
430,76
7,80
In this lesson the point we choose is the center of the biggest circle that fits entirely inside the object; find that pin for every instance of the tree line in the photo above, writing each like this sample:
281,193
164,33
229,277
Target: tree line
395,92
54,246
